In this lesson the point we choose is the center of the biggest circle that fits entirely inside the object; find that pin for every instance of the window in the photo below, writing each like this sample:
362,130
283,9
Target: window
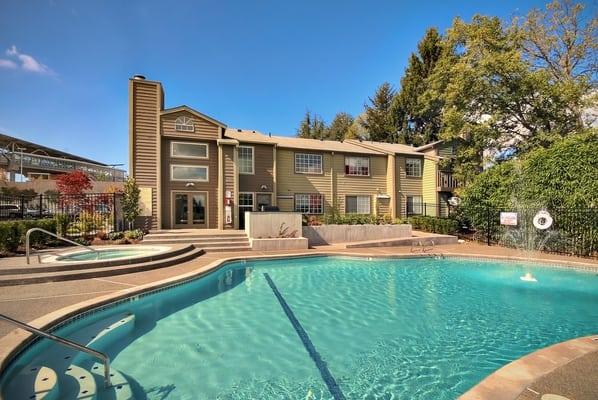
357,205
311,203
188,150
413,167
184,124
189,173
357,166
246,200
308,163
246,160
414,205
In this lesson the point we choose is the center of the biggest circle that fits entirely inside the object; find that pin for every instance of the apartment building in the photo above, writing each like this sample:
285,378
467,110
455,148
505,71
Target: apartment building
196,172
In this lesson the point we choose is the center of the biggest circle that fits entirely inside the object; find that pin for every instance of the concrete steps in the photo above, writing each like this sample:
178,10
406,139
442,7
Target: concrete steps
208,240
50,274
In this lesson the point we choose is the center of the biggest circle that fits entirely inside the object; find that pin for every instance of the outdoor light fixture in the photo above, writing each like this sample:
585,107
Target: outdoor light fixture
189,184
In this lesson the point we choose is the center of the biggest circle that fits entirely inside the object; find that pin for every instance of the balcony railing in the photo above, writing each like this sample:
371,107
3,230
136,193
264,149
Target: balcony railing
445,181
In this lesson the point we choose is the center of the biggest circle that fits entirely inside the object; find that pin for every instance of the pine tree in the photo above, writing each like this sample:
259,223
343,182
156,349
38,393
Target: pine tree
339,127
378,120
312,127
416,116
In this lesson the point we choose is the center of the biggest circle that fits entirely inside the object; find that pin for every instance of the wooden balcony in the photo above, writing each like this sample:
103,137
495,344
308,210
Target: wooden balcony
446,182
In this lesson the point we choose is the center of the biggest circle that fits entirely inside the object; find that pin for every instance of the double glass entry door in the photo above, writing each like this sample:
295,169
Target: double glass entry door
190,210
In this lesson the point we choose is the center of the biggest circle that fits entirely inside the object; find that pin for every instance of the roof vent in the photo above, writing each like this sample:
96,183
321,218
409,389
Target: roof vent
139,77
253,131
238,130
269,134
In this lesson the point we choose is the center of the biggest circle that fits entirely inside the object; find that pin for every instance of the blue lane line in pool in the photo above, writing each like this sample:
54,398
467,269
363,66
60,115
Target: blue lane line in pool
333,387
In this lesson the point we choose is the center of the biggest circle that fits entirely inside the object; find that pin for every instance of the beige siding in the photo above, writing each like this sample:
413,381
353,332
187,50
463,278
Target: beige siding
289,183
429,188
361,185
211,187
446,150
406,186
263,170
204,129
145,107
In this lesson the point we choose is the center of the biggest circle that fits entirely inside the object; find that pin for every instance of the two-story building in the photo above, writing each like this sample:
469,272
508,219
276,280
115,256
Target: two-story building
196,172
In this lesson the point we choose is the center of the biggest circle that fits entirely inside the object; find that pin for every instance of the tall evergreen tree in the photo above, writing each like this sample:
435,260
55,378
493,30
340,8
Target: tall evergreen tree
312,127
378,120
339,127
417,117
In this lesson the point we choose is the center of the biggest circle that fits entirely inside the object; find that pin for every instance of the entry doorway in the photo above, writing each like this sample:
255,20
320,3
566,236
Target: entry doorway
246,202
189,209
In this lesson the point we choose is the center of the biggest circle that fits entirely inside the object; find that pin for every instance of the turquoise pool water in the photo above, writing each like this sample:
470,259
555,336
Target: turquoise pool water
332,327
105,254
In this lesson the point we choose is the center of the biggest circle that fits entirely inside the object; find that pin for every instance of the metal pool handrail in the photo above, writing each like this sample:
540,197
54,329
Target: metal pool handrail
69,343
28,247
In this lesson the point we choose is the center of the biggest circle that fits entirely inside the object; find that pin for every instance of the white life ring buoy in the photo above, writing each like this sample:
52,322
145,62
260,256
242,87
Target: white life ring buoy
542,220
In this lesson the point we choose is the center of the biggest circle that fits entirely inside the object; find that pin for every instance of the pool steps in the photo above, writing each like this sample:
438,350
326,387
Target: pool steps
53,272
78,381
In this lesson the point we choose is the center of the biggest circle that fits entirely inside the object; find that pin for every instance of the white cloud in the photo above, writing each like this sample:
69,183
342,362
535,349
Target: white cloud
10,64
27,62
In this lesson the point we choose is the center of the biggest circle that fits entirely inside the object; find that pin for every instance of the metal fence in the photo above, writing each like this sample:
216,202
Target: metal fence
75,215
574,231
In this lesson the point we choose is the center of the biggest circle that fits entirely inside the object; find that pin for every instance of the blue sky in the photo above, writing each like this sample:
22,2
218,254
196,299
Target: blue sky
64,65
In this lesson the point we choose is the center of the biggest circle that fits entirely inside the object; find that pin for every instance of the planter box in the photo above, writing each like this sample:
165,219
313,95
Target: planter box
279,244
328,234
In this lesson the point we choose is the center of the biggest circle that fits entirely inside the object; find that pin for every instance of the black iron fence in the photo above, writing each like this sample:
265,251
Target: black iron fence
75,215
569,231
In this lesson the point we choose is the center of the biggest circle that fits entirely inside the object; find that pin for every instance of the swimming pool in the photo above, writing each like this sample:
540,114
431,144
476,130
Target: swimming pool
322,328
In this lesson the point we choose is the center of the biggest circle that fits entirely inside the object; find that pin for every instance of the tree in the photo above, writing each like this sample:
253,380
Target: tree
493,102
312,127
130,201
73,183
339,127
378,120
418,117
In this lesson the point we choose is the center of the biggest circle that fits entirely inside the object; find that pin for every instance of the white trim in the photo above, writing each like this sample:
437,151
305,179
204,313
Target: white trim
189,180
252,160
309,154
252,201
185,122
353,156
206,209
207,146
419,160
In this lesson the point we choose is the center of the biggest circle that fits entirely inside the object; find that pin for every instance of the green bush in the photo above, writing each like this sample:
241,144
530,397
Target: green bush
445,226
116,235
356,219
135,234
62,224
12,233
89,222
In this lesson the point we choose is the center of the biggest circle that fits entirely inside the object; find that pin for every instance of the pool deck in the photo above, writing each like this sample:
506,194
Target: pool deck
567,371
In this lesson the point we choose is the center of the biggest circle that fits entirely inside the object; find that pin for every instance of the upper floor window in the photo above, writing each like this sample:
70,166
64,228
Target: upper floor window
188,150
184,124
413,167
246,160
357,166
308,163
189,173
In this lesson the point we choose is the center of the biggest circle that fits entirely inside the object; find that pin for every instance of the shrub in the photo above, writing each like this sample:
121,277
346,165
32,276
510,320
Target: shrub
116,235
445,226
135,234
89,222
12,233
62,223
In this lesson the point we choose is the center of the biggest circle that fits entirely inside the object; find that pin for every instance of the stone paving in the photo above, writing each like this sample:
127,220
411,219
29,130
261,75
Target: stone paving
28,302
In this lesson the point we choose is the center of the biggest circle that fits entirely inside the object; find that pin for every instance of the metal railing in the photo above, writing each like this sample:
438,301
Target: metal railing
69,343
28,244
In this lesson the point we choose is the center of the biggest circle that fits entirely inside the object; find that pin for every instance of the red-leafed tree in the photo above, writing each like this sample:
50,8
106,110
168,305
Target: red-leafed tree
73,183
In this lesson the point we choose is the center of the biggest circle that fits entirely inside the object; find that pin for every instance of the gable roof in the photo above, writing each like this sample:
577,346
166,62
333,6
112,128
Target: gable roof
192,111
298,143
429,145
392,148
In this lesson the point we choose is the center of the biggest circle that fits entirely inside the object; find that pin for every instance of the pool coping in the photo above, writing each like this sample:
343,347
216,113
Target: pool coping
16,341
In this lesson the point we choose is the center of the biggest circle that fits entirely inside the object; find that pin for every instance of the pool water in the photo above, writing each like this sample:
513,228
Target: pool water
335,327
106,254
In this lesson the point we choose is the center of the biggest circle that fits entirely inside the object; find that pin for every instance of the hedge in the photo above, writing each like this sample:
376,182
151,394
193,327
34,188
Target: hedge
12,233
445,226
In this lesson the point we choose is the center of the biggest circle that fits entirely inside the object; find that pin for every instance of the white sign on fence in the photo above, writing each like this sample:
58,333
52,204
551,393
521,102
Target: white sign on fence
508,218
